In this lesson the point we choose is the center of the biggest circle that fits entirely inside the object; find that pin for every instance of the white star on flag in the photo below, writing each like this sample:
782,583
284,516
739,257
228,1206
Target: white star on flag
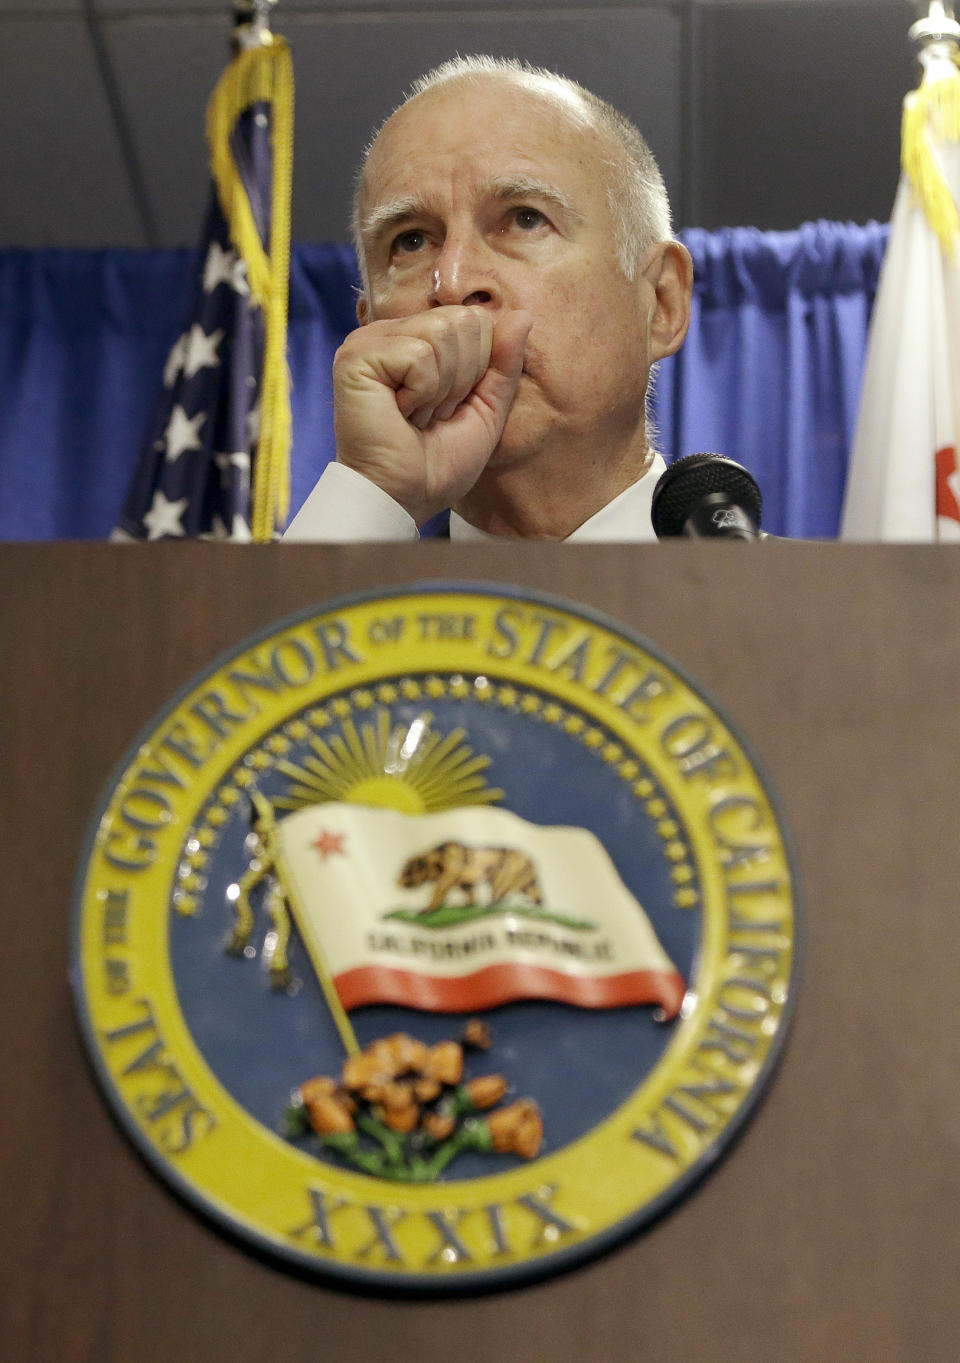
224,267
253,424
239,531
239,459
163,518
174,361
200,350
182,432
218,530
231,345
226,463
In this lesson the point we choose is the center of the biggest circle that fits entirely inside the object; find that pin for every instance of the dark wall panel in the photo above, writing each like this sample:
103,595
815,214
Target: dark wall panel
800,111
352,71
61,165
770,112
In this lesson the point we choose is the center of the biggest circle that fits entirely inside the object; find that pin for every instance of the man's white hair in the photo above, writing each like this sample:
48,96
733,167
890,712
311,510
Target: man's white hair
636,195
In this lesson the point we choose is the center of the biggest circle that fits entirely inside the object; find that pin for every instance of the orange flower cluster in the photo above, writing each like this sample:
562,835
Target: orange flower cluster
517,1129
398,1077
415,1089
330,1111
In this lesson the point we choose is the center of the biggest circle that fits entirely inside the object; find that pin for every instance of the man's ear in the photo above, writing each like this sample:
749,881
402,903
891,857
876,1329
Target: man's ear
670,273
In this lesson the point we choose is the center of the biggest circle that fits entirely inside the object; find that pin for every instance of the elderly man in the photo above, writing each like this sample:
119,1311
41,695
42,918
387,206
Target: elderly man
519,281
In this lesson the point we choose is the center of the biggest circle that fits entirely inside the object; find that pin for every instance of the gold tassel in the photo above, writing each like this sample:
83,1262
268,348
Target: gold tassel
262,74
932,114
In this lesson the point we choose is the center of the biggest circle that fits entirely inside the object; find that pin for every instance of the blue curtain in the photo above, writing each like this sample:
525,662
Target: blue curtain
770,371
769,374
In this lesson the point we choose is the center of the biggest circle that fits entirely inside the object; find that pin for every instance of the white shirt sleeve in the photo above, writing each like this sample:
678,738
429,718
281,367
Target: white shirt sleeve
344,508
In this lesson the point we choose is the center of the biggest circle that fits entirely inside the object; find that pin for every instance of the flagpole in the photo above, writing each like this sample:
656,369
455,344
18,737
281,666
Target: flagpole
933,112
267,831
261,70
215,461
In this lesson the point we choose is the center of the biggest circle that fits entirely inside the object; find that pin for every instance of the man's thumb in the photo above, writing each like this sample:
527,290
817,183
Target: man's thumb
498,386
509,344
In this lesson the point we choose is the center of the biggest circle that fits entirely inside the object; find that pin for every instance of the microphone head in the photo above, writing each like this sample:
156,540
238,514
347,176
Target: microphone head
689,480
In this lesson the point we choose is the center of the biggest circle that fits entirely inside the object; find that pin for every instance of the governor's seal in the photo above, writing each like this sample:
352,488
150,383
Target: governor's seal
436,938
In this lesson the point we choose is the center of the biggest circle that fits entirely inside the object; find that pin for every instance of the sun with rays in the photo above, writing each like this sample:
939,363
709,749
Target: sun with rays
408,767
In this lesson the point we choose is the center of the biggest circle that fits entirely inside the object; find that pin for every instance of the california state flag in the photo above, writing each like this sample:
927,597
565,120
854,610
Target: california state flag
903,482
466,909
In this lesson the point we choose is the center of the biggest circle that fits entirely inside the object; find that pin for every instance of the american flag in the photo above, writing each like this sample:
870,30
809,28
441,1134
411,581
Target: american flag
196,474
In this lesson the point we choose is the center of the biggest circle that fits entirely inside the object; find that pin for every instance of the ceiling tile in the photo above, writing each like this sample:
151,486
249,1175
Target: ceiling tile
813,129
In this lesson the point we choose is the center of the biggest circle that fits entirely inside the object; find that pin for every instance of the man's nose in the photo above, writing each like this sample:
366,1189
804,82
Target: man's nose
463,274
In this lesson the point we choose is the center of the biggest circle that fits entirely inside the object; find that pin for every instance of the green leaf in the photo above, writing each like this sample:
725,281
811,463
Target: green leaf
295,1121
453,915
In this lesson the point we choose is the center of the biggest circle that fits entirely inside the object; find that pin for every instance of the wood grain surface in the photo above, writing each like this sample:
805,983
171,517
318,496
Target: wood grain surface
831,1231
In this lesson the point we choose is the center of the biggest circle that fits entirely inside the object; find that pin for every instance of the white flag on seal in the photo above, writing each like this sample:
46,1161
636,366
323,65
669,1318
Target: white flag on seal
903,482
466,909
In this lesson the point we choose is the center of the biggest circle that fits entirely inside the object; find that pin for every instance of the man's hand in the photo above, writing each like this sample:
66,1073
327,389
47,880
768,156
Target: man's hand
421,402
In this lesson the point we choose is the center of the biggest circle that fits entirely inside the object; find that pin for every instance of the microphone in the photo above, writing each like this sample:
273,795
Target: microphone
707,496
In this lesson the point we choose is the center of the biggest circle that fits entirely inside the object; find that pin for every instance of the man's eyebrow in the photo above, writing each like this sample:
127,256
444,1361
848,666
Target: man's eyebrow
529,187
390,214
394,212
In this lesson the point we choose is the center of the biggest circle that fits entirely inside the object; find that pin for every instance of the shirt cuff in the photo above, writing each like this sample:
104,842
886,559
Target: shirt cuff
345,507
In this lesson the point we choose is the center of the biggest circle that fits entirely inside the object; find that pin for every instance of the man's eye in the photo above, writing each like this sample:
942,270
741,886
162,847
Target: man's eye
408,242
528,219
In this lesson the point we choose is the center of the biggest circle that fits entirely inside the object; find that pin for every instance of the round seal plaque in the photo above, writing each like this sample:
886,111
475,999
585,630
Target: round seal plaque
437,937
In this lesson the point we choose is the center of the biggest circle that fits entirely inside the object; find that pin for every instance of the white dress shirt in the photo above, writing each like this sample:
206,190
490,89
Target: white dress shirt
344,508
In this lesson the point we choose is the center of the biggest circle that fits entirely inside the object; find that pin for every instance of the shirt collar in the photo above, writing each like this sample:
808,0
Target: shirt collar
625,519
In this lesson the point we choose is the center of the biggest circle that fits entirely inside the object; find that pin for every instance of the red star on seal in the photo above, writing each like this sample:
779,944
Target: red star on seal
327,843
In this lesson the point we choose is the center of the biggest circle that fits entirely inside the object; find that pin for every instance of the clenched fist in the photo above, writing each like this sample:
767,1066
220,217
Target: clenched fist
420,402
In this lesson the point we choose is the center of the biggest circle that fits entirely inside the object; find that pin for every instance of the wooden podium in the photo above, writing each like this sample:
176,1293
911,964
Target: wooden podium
830,1231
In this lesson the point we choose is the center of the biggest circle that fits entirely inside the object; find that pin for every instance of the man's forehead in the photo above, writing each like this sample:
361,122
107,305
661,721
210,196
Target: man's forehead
498,129
506,90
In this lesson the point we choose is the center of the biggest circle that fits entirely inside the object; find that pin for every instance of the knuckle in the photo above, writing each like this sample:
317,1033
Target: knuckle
421,351
422,363
342,355
351,349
